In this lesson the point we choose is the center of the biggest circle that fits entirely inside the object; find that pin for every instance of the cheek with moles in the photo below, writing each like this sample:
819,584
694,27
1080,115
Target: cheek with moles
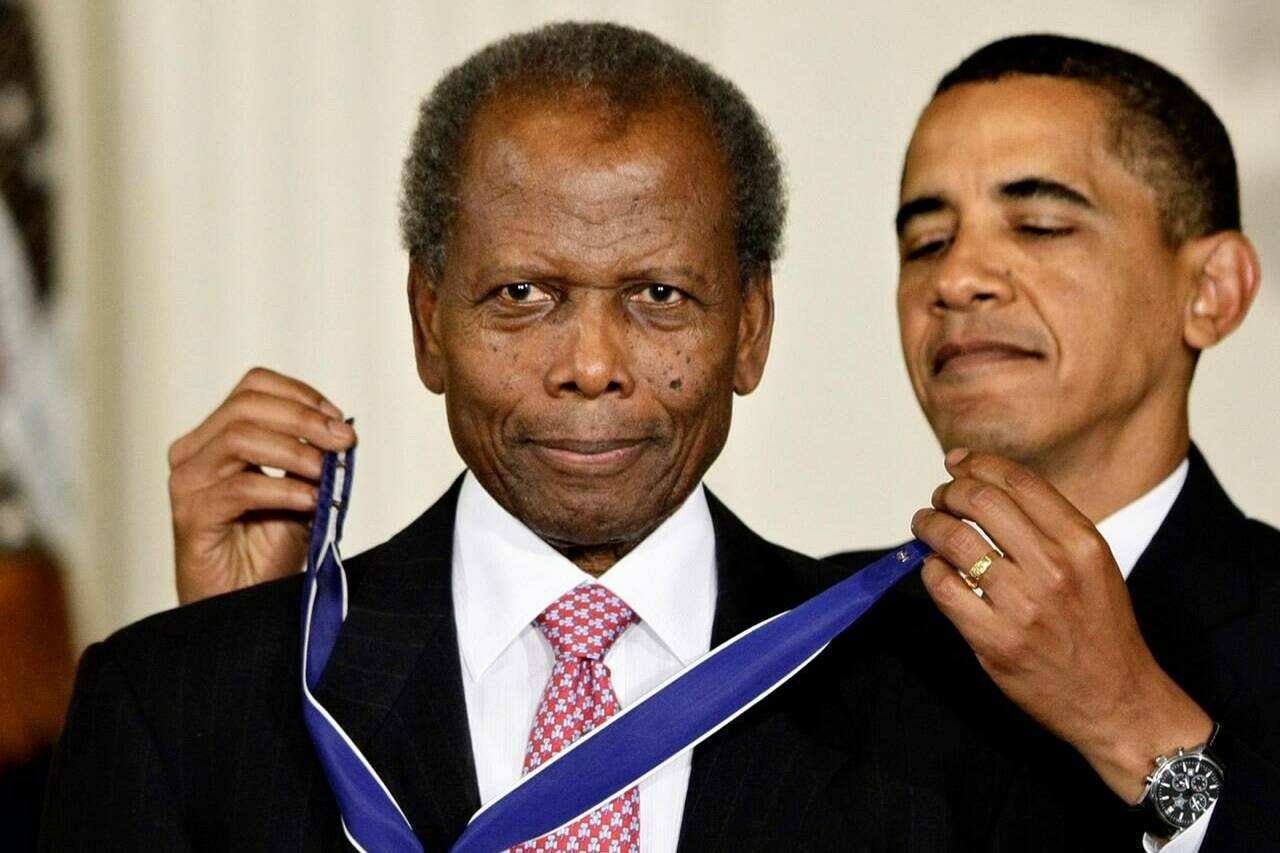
587,470
587,324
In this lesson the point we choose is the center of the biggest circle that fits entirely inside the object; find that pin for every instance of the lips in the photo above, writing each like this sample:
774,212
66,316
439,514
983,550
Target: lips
593,456
956,355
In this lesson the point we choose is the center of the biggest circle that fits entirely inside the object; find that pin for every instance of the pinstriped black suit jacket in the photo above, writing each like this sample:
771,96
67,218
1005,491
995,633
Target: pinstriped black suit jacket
185,733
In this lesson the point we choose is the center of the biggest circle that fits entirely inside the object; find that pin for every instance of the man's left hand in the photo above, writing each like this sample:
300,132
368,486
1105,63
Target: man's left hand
1055,627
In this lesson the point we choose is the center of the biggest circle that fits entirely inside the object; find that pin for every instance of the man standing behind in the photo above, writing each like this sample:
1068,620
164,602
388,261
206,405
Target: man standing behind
1070,243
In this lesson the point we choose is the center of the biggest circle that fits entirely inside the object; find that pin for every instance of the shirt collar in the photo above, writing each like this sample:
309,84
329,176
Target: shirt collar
1129,530
504,575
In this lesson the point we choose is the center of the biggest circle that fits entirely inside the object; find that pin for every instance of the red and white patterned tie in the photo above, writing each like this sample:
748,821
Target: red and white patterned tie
581,626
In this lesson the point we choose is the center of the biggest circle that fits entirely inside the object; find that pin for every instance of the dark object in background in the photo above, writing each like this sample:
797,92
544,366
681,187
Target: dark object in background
24,165
21,796
35,648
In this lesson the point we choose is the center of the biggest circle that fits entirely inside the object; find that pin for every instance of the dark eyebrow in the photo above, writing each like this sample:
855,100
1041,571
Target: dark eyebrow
1044,188
918,207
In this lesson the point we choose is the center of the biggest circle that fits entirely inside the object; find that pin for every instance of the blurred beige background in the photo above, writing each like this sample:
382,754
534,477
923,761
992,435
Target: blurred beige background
229,174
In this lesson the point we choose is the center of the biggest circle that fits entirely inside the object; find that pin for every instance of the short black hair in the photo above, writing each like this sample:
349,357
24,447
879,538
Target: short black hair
1164,132
630,69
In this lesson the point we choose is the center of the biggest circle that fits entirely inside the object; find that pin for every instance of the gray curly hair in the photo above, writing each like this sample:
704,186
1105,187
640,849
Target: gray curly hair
630,69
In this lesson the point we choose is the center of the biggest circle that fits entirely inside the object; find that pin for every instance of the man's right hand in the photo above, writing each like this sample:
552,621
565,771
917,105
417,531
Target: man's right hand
233,525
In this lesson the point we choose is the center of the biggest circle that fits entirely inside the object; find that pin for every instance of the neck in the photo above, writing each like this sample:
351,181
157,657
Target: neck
1101,474
595,560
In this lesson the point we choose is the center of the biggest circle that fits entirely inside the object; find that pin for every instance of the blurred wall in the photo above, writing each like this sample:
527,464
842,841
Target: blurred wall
230,173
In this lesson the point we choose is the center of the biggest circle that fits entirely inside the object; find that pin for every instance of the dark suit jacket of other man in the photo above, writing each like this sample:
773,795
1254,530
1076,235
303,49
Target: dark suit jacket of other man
1207,597
185,733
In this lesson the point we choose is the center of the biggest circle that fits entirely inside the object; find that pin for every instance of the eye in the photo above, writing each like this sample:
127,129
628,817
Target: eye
1032,229
659,294
524,293
924,250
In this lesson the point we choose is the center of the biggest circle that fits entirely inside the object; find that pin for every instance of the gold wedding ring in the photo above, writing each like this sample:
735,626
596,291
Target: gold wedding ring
973,577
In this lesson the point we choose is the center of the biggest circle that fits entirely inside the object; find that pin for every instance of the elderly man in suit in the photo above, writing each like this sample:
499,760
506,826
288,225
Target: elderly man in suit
590,217
1070,244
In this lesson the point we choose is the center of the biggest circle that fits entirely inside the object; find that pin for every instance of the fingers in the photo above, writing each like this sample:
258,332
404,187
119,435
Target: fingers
960,546
1037,527
227,500
995,511
1040,502
972,616
245,445
272,400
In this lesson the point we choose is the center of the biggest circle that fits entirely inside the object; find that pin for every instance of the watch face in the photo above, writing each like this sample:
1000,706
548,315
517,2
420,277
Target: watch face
1188,785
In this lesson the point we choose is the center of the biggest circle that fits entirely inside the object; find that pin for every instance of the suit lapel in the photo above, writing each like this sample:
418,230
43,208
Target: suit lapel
758,778
1192,582
394,681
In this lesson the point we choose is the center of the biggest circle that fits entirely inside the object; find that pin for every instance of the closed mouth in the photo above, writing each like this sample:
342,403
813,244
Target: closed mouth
586,447
595,457
978,351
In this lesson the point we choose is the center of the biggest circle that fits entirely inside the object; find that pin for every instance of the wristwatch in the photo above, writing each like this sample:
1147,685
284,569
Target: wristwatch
1182,787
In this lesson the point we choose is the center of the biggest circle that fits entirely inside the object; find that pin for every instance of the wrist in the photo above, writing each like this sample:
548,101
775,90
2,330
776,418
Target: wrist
1124,750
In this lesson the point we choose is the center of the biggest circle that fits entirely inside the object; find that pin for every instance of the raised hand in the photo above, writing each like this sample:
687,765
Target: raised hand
233,524
1054,627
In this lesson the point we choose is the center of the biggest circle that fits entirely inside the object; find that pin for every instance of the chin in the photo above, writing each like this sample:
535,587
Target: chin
588,518
583,530
1005,438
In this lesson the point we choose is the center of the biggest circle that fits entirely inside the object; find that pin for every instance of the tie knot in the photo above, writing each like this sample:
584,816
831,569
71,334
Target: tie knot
585,621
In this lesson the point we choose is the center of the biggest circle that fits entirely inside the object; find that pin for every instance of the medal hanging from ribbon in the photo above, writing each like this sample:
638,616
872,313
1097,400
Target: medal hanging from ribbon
673,717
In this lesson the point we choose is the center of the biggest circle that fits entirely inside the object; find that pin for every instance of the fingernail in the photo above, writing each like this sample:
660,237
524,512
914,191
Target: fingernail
331,410
340,428
956,455
915,519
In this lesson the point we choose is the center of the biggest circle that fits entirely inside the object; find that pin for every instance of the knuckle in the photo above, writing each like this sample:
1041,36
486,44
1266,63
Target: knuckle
177,452
1029,615
1016,647
243,397
1092,546
1060,582
982,464
238,437
1082,543
984,496
1019,478
257,373
957,537
182,515
935,581
241,486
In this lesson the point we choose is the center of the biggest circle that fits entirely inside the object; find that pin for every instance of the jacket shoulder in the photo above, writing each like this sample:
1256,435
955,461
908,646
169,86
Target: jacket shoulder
264,613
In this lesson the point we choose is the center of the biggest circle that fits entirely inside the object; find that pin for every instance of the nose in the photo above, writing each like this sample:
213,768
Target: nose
970,275
593,357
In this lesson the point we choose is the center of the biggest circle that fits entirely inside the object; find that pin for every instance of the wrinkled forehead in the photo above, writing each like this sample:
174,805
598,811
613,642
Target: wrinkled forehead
979,135
579,156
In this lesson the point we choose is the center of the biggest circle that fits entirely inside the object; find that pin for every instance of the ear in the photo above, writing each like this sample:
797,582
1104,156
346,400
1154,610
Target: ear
423,299
1225,274
755,331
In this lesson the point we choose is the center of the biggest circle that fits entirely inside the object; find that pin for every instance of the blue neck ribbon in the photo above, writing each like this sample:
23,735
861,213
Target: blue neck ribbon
673,717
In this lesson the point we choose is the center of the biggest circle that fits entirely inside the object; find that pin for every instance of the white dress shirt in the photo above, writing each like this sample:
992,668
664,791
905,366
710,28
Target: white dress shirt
504,576
1128,532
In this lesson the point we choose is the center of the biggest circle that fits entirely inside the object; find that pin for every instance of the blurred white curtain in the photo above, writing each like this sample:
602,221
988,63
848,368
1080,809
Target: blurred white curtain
229,183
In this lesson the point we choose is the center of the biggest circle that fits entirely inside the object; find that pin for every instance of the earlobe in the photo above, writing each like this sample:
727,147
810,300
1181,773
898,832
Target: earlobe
1225,274
423,300
755,332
